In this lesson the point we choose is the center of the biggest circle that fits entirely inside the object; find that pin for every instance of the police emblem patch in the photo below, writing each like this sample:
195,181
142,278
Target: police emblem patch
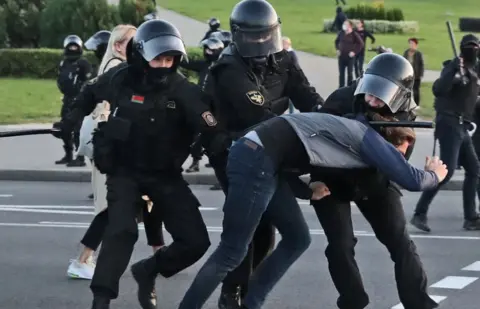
209,119
255,97
171,104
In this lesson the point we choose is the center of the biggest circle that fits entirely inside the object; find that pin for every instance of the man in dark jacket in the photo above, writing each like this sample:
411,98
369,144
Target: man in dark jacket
340,18
360,57
415,57
348,44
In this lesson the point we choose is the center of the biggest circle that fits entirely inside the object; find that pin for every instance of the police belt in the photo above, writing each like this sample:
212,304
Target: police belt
461,119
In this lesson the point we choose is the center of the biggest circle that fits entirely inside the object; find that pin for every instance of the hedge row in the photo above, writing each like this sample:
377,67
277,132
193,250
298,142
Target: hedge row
43,63
380,26
375,11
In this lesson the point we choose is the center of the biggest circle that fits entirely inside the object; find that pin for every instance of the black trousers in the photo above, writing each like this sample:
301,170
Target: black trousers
153,229
70,139
416,91
262,244
177,207
359,60
385,215
345,63
196,150
456,147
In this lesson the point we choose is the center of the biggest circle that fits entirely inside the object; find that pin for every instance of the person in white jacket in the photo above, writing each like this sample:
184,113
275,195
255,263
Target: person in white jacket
83,267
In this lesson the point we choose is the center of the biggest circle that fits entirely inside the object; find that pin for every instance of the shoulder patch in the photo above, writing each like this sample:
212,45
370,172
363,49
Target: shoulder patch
209,119
255,97
92,81
171,105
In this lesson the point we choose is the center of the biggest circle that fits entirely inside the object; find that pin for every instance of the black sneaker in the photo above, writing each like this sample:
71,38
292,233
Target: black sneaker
472,225
420,222
229,301
193,168
146,294
78,162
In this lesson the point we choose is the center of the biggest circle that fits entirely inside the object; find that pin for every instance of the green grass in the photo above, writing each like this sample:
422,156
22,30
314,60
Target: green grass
426,102
35,100
28,101
302,21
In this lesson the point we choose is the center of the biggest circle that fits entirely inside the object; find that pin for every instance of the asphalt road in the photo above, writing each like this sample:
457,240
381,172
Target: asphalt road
42,223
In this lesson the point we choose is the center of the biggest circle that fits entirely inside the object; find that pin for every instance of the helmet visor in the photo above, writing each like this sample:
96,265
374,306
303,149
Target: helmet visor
161,45
395,97
258,43
92,43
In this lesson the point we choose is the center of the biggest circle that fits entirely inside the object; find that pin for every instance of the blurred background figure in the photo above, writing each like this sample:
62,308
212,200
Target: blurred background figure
214,26
340,18
348,44
360,57
415,57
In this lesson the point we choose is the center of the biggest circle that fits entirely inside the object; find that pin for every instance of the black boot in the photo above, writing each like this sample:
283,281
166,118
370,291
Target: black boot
145,277
78,162
229,300
101,303
193,167
67,158
90,196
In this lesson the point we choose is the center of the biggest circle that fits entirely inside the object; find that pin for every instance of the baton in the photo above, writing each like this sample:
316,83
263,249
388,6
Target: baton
27,132
408,124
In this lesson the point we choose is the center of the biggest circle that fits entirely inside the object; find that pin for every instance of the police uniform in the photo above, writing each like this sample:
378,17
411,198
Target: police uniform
378,199
73,71
212,48
141,148
214,26
455,99
265,79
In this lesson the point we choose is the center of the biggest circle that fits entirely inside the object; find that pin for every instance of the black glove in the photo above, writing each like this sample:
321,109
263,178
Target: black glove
58,129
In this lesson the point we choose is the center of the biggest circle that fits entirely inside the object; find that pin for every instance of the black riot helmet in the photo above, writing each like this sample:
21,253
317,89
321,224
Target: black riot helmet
214,24
73,46
155,38
98,43
212,48
255,28
390,78
224,36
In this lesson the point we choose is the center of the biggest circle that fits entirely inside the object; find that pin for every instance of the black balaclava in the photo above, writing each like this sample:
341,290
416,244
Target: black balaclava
469,49
72,54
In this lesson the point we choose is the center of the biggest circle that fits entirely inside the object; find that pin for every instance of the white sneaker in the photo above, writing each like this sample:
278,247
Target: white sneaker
79,270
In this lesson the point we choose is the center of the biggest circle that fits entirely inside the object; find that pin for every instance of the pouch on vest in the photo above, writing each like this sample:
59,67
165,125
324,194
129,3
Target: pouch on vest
67,80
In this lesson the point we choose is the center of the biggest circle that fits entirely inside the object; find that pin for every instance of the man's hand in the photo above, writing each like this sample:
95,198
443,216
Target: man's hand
338,53
434,164
351,54
58,129
320,190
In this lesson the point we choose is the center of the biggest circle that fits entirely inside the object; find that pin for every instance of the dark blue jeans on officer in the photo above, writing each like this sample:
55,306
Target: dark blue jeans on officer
254,189
455,146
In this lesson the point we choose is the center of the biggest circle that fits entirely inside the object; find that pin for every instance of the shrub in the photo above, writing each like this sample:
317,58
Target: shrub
61,18
133,11
43,63
20,23
380,26
375,11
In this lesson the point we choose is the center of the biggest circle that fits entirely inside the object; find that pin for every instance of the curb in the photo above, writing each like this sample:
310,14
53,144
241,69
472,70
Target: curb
85,176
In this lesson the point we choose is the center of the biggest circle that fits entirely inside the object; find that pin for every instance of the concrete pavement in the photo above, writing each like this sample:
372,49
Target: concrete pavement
32,158
42,223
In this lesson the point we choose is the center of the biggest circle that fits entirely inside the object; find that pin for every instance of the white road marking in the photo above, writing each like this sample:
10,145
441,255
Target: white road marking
436,298
6,195
453,282
472,267
58,209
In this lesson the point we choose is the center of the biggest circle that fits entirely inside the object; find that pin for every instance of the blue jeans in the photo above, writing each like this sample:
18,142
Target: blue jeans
456,147
254,189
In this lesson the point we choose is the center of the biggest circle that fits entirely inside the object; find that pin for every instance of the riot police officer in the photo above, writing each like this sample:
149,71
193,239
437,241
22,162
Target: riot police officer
224,36
214,25
456,92
98,43
73,71
212,48
266,79
386,89
141,149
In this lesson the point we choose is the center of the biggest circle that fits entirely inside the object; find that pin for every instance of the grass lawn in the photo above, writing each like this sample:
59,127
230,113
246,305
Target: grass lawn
302,21
29,100
33,100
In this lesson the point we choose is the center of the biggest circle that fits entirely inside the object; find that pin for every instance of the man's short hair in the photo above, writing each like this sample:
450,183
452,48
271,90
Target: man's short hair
286,39
395,135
